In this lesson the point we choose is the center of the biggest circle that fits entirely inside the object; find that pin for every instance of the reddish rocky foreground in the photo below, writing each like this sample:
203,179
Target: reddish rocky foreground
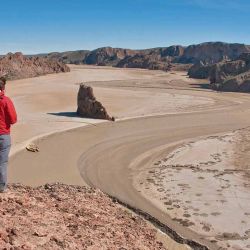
69,217
17,66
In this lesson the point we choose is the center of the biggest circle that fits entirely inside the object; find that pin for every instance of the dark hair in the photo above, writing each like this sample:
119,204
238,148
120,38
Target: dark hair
2,83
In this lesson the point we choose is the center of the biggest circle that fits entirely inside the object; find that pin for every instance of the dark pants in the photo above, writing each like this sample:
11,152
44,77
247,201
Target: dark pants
5,144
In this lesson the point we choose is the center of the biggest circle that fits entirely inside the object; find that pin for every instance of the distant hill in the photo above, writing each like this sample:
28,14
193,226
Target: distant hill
213,52
154,58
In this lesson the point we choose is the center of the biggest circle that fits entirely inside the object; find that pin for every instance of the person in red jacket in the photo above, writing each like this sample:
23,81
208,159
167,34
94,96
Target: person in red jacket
8,117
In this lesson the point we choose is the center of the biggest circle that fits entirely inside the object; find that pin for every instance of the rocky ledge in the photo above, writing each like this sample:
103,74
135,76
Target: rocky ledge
17,66
59,216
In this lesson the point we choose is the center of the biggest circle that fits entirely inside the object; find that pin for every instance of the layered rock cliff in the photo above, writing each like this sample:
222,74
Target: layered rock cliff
17,66
232,75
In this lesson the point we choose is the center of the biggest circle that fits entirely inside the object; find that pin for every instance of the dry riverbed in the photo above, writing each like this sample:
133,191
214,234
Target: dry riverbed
205,185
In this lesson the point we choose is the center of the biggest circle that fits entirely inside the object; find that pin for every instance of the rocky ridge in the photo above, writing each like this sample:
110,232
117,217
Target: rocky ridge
163,58
59,216
17,66
213,52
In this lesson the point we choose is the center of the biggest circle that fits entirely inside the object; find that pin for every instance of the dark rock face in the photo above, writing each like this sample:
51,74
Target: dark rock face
88,106
173,51
17,66
199,71
69,57
152,62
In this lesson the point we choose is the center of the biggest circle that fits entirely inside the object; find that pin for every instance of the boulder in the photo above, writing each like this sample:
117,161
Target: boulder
88,106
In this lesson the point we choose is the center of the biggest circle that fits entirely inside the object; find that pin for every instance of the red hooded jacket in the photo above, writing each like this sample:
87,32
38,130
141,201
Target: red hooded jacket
7,114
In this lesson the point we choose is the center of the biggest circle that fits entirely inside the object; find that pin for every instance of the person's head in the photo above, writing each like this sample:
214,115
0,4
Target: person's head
2,83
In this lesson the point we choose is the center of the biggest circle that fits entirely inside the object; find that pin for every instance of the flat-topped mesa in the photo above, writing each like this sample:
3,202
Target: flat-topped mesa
17,66
88,106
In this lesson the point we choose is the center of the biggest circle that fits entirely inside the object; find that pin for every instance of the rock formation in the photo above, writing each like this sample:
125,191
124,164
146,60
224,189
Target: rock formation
69,217
222,71
231,76
88,106
227,75
200,71
152,62
17,66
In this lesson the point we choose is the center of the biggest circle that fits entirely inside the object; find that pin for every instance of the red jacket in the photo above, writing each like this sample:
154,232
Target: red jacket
7,114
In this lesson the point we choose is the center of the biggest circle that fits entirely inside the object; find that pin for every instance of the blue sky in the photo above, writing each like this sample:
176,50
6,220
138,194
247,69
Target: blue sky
34,26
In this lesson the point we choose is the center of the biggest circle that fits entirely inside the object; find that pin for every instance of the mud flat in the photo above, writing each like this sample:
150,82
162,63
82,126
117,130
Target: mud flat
205,185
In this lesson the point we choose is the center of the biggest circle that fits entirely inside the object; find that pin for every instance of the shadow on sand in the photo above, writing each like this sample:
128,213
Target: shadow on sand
200,85
65,114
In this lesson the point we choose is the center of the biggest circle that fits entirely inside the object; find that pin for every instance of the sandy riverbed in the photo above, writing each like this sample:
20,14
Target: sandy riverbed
47,104
110,155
